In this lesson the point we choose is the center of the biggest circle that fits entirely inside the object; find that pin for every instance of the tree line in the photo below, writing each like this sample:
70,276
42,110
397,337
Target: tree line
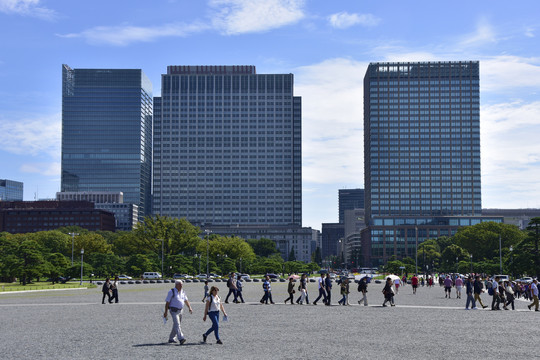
479,248
48,254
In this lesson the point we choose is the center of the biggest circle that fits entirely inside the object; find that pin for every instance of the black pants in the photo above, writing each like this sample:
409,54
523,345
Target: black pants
322,294
108,294
495,302
328,296
231,291
291,297
114,296
267,296
237,295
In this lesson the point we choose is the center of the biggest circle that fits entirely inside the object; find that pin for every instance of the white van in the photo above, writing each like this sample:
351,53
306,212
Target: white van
151,275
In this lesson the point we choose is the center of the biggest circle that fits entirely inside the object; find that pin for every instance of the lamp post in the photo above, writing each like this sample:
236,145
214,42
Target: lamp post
511,260
199,256
162,242
82,261
207,250
416,252
240,265
500,254
72,244
470,255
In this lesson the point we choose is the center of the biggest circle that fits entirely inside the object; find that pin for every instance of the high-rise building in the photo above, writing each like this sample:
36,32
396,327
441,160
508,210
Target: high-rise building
227,147
349,199
11,190
421,153
107,133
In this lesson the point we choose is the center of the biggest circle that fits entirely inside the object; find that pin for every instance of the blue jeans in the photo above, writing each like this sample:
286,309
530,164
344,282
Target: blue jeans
214,317
470,300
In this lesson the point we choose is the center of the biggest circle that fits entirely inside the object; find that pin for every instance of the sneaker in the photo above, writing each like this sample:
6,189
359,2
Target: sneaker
204,336
384,305
467,309
359,303
315,303
182,342
219,342
171,341
485,306
475,308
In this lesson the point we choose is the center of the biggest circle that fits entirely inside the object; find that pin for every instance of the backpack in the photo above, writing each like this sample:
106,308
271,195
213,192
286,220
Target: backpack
229,283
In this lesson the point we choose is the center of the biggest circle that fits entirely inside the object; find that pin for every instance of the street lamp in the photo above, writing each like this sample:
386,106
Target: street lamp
500,254
82,261
72,244
162,241
199,256
511,260
470,255
207,250
240,265
416,252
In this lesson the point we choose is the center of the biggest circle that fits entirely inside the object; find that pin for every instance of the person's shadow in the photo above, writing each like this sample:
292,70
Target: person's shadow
171,344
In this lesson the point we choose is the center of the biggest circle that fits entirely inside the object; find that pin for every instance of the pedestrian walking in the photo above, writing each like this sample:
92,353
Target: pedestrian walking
469,289
239,288
509,292
290,291
496,301
328,288
459,286
205,291
213,306
114,290
414,283
267,287
174,303
448,283
231,284
322,291
534,295
106,290
302,288
478,289
362,288
397,283
344,292
388,292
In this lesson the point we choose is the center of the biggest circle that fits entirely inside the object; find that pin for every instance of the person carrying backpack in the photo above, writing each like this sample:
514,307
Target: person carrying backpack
231,284
362,287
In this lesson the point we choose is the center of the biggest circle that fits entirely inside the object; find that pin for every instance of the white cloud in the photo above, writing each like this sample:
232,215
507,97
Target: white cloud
484,34
344,20
234,17
507,72
529,32
27,8
125,34
332,108
32,136
511,154
46,169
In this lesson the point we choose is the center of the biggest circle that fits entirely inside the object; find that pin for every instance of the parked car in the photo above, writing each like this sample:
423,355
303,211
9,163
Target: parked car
526,280
245,277
273,276
124,277
203,277
151,275
502,277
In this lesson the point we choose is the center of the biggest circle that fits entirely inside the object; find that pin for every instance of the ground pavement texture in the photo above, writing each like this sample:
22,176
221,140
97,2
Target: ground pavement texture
75,325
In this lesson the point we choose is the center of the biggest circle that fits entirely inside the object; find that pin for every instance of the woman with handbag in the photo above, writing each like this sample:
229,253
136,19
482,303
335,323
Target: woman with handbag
303,290
290,291
388,293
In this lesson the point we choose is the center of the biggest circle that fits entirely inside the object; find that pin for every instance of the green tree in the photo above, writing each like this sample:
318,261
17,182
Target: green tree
178,235
10,262
292,256
263,247
534,233
33,264
53,241
91,243
482,240
105,265
451,256
316,256
137,264
58,265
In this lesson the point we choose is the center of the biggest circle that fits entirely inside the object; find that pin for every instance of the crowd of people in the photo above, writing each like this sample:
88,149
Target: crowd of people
503,295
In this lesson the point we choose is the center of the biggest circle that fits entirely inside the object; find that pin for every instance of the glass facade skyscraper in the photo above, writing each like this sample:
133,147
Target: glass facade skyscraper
349,199
11,190
421,152
227,147
107,133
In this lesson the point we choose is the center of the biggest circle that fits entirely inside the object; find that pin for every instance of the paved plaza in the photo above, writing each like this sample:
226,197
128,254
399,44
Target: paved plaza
75,325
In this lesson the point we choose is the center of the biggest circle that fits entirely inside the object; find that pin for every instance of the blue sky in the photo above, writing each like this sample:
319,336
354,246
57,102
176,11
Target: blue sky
326,44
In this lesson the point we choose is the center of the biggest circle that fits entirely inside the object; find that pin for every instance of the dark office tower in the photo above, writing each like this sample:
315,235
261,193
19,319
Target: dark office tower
107,133
227,147
350,199
421,152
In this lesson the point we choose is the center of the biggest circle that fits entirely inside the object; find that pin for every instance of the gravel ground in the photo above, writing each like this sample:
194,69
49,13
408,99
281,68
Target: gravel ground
75,325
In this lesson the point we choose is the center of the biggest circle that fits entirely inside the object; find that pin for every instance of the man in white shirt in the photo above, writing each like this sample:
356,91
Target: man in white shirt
496,298
174,302
534,294
322,292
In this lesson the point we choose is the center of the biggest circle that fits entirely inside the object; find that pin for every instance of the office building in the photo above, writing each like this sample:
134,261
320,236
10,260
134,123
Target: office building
32,216
421,153
518,217
287,237
349,199
11,190
126,215
331,234
107,133
227,147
